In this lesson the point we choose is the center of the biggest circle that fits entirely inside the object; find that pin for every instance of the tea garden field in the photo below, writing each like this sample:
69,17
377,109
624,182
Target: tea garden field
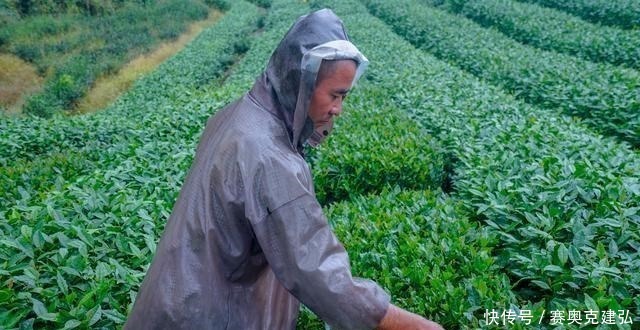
70,46
485,170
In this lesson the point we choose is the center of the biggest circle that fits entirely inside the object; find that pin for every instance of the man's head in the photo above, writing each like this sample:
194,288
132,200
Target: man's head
292,74
332,85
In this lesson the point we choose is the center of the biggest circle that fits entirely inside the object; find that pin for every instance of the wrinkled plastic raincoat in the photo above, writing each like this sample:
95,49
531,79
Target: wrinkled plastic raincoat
247,240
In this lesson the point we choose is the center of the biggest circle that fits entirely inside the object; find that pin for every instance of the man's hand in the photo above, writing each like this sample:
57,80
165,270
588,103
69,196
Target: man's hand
397,318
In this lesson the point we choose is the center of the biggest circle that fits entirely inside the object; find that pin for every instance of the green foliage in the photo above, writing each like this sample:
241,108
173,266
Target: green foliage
40,105
604,96
219,4
79,49
8,15
621,13
549,194
68,84
537,179
56,7
542,214
374,146
78,226
262,3
421,247
26,178
26,138
553,30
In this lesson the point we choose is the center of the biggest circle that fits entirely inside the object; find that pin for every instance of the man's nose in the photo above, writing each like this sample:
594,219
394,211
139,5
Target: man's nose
336,110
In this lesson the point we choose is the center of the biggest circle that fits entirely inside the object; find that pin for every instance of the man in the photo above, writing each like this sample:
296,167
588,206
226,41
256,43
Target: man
247,239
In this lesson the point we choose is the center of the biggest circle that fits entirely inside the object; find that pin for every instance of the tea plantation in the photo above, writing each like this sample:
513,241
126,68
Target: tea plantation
485,171
72,44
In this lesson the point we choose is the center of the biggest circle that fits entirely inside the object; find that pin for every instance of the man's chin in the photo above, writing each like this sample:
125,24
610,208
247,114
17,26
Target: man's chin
320,124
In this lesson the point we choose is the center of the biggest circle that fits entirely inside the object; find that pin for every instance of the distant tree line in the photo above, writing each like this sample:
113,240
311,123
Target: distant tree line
87,7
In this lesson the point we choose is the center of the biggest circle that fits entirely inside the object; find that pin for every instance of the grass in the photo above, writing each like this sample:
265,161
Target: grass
17,78
108,87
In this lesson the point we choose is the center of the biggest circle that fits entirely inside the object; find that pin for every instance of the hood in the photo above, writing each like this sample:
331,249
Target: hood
286,86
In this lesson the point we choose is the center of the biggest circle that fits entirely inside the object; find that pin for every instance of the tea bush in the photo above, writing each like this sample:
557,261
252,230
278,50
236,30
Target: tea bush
538,212
551,29
422,248
529,165
375,146
623,13
604,96
75,246
81,47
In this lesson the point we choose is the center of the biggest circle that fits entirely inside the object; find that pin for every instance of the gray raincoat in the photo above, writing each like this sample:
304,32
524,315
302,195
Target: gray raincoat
247,240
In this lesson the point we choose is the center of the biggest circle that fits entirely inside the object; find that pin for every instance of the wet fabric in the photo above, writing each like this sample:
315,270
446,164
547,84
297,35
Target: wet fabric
247,240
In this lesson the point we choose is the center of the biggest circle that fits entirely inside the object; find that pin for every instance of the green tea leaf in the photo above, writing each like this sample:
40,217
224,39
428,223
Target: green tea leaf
62,283
5,295
553,268
600,250
613,248
574,255
94,315
41,311
591,304
563,254
541,284
72,324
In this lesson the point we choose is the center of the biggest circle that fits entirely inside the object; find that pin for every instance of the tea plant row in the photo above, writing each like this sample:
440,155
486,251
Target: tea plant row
73,256
542,181
73,50
554,30
540,207
623,13
35,152
606,97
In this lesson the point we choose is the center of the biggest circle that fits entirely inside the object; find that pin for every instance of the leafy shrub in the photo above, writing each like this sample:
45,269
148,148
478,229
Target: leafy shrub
219,4
262,3
24,179
536,179
373,147
169,31
7,16
624,13
553,30
425,252
28,53
56,7
41,106
75,247
604,96
100,44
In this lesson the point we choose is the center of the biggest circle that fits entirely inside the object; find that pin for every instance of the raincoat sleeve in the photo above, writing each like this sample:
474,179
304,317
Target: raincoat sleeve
311,263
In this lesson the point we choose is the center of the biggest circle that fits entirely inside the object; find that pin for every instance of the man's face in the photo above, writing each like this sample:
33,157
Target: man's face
330,91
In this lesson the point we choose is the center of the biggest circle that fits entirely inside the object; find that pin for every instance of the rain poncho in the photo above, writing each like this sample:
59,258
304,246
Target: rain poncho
247,240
